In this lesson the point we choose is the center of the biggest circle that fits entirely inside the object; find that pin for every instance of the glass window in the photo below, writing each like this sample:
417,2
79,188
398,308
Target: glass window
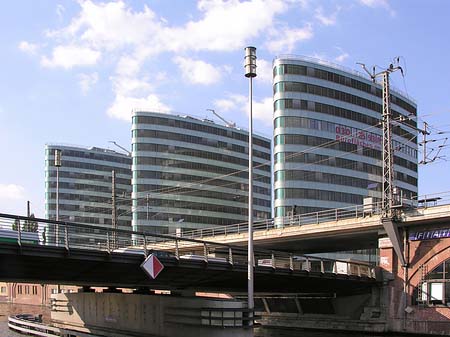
435,287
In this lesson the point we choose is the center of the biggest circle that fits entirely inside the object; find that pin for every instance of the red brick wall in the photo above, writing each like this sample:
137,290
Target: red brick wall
429,253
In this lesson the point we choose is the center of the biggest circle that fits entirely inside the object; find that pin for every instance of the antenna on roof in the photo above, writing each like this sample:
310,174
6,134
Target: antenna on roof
228,124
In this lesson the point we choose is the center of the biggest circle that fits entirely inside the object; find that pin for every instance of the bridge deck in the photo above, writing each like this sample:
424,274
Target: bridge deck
43,264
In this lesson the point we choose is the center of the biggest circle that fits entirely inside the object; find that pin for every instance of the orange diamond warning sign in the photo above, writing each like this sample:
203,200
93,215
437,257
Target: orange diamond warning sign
152,266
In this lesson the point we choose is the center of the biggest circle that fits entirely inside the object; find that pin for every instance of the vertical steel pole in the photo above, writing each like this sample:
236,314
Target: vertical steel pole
57,206
57,155
251,303
114,209
58,165
250,72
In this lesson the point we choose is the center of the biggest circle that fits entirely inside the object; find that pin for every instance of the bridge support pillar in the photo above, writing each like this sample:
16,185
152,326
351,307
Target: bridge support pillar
123,315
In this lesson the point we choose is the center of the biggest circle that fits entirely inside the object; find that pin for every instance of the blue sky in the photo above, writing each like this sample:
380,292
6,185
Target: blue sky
72,71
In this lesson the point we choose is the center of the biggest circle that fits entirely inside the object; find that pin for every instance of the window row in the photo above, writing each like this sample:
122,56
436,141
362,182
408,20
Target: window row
87,187
178,219
334,94
196,166
155,202
324,195
287,210
176,123
289,103
102,156
294,69
192,192
352,147
199,153
314,194
90,220
327,178
90,166
318,159
25,289
123,207
77,197
435,286
79,176
342,132
214,143
186,178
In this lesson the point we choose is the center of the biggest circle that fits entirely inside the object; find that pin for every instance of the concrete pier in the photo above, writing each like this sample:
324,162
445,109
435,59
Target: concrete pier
125,315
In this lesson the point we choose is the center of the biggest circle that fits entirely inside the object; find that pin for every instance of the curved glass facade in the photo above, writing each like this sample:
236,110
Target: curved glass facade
190,173
328,138
85,185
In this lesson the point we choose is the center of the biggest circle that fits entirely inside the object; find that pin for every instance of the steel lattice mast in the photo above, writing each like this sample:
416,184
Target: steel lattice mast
387,155
387,198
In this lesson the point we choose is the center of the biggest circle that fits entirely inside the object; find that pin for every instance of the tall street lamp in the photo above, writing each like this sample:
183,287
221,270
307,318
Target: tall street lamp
250,72
57,165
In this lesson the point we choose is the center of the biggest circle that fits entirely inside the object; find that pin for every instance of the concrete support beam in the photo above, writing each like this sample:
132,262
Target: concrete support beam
123,315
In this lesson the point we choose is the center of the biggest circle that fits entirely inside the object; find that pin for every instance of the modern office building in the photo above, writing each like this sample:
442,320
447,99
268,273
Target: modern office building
85,186
190,173
328,137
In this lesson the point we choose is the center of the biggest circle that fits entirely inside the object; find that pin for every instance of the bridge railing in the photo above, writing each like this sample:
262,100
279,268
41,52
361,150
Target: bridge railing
337,214
287,221
70,236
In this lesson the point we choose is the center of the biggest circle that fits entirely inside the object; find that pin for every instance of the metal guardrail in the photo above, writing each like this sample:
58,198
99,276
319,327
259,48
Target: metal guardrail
214,317
32,326
351,212
71,236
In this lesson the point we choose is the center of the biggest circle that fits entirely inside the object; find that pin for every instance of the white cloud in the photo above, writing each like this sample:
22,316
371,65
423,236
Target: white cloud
197,71
129,39
70,56
378,4
329,20
224,104
214,31
232,102
11,192
109,25
284,41
123,106
86,81
264,70
133,86
262,110
29,48
341,57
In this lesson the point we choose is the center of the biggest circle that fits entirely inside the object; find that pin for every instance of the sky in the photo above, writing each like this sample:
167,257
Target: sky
71,72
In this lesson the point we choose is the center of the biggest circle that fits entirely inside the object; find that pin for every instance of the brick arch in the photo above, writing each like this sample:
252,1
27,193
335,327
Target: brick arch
433,258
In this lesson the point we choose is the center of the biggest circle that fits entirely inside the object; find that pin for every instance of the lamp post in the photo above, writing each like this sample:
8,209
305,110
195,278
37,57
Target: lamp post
57,165
250,72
